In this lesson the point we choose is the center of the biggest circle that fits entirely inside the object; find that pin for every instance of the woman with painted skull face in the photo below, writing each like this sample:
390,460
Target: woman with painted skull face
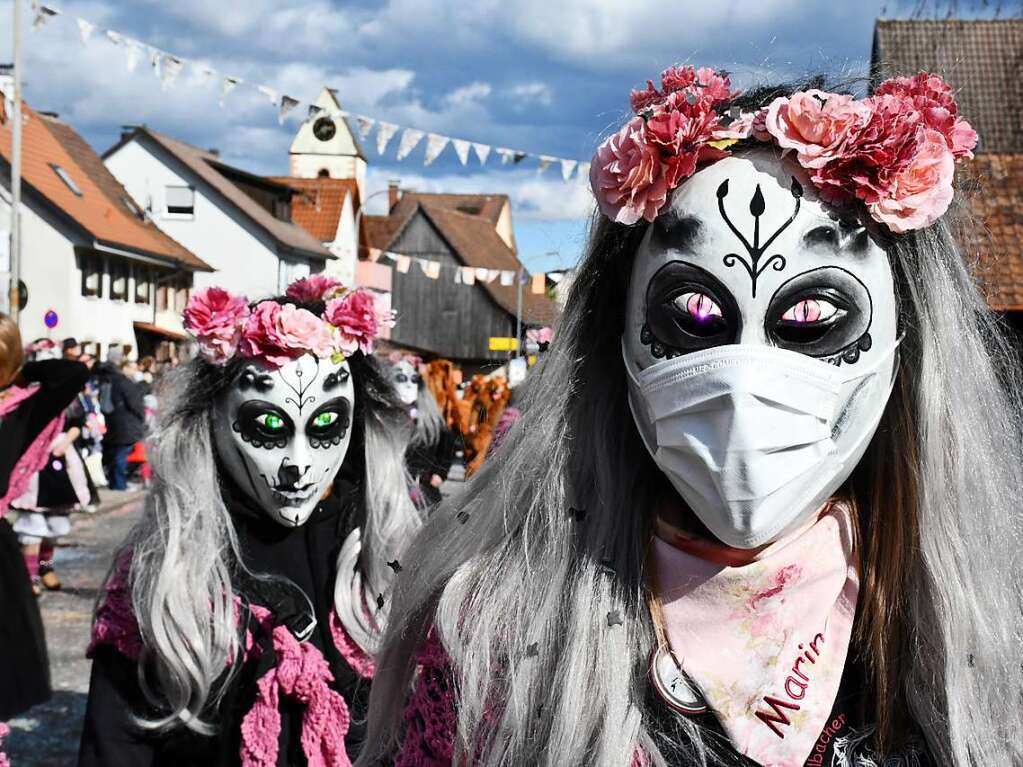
765,499
431,447
242,613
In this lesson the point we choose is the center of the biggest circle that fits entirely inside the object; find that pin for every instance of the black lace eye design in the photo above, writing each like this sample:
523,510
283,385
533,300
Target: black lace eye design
263,424
824,312
688,309
329,424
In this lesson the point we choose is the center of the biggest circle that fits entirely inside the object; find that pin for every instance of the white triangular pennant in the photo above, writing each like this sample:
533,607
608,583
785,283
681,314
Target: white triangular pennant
270,93
43,14
365,125
468,275
314,111
567,166
385,131
227,85
458,275
583,171
461,147
85,29
435,144
409,138
132,54
155,59
286,105
545,162
115,37
482,152
170,67
506,154
507,279
206,72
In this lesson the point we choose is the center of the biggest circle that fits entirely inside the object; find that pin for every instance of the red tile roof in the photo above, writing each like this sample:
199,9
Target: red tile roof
103,210
317,203
981,60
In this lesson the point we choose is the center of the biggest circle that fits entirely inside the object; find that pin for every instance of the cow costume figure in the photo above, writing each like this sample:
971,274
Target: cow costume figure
242,613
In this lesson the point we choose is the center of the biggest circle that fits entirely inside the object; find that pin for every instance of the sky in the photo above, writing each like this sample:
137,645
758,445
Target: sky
540,76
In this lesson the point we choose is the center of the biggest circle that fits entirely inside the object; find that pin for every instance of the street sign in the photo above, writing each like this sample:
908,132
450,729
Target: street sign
503,344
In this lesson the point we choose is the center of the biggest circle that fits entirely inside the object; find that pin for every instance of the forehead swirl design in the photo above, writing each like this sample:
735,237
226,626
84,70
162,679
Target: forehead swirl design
755,250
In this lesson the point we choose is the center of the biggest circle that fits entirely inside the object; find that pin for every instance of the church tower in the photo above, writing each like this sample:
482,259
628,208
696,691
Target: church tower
327,147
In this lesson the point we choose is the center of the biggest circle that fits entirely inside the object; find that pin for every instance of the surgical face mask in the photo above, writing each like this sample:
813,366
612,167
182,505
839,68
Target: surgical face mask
283,434
405,379
760,344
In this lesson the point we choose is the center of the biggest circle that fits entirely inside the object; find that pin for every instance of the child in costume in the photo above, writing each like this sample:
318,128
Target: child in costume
33,396
243,611
431,447
762,505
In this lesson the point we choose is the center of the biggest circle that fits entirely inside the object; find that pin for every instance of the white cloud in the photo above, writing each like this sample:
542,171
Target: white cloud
537,93
467,94
533,197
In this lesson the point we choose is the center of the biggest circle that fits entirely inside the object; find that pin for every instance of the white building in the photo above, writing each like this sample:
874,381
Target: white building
91,263
237,222
326,146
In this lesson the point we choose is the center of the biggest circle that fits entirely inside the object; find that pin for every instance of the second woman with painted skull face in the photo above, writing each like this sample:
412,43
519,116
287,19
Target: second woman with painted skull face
241,617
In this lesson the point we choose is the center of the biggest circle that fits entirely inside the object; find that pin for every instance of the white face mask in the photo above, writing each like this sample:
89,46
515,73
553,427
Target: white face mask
283,434
405,379
758,375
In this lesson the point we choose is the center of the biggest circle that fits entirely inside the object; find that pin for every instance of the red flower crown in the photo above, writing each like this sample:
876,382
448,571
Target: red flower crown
224,325
894,151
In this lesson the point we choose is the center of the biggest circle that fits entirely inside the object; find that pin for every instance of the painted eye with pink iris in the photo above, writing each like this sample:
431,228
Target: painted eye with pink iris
699,306
810,310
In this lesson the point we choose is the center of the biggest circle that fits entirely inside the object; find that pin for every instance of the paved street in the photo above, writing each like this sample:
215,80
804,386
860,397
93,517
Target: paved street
47,736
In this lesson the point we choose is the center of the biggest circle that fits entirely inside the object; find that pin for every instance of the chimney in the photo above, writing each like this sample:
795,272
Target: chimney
393,194
214,151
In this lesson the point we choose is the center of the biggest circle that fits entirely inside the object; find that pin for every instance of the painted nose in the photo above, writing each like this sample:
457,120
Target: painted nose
288,475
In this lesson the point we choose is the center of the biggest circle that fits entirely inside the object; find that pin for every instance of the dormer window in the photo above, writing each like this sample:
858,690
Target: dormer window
64,176
180,201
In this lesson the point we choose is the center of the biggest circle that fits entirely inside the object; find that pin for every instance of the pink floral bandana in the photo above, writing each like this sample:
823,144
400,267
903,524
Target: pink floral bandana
766,641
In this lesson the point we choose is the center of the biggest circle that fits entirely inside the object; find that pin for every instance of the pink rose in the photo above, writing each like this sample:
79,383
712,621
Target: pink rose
873,156
932,97
681,133
677,79
921,193
626,176
816,124
311,289
277,334
215,318
358,318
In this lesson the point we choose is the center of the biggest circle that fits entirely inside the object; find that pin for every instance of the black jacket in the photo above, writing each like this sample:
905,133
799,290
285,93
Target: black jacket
126,419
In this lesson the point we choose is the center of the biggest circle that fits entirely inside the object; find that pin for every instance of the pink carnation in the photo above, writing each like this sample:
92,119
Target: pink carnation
311,289
626,176
921,193
277,334
932,97
816,124
215,318
681,133
358,317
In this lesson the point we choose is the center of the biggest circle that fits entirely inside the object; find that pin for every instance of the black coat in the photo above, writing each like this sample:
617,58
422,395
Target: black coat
124,409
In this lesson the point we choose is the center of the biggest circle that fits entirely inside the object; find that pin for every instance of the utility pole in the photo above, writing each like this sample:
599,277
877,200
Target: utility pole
15,256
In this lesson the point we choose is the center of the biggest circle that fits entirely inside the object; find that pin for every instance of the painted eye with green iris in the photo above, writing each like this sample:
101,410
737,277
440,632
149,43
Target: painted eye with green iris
329,423
263,424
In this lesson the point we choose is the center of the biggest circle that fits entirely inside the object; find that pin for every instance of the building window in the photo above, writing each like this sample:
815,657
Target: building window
180,200
143,283
118,280
163,297
181,294
289,271
64,176
92,274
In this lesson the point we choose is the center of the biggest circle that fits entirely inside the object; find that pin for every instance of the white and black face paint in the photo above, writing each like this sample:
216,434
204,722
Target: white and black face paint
405,379
760,344
283,434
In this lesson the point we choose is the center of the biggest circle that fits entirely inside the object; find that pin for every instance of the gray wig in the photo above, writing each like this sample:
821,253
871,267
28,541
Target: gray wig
184,550
429,420
504,565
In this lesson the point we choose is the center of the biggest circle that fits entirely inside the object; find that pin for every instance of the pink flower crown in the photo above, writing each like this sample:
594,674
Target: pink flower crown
224,325
894,151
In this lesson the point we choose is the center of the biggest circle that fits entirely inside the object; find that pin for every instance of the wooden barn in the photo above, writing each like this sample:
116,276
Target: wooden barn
442,317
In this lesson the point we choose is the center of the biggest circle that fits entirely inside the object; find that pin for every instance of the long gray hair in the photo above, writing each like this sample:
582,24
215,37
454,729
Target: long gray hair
507,564
184,550
429,420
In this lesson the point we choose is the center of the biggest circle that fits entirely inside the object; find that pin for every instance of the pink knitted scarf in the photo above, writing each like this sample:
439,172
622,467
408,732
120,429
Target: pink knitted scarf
33,459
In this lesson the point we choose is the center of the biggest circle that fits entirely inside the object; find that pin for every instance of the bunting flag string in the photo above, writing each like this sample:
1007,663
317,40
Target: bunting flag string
167,67
463,275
